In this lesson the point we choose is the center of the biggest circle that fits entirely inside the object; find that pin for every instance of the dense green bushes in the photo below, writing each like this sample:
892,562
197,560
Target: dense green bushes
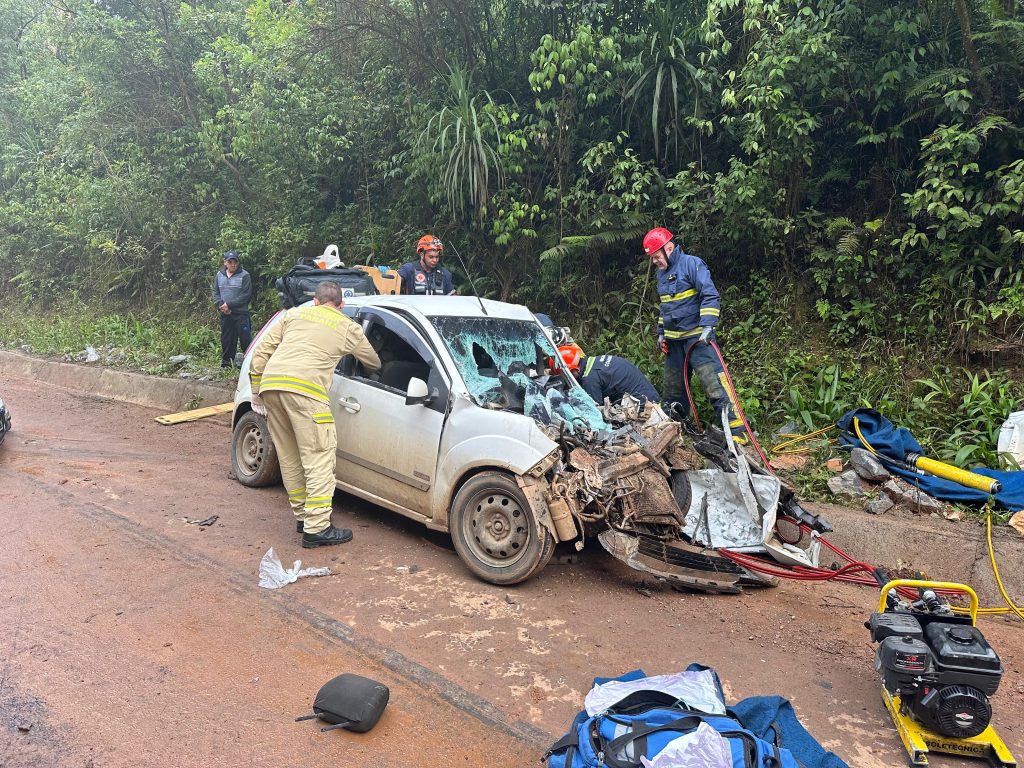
851,169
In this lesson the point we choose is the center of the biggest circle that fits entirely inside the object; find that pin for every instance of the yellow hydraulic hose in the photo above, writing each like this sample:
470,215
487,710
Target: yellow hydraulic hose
938,468
957,475
787,445
995,571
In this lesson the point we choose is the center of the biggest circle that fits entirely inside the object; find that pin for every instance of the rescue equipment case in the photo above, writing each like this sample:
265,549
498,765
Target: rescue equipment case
298,286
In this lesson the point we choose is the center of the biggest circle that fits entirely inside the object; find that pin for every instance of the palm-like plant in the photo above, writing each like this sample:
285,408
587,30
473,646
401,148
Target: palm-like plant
666,76
466,138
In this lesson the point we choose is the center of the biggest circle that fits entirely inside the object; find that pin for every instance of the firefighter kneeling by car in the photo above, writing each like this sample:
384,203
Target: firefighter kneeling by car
690,309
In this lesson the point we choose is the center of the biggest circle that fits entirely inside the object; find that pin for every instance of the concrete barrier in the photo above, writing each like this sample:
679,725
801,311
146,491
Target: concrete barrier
944,550
137,388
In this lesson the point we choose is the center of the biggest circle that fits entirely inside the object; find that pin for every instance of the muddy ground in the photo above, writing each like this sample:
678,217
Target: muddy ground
130,636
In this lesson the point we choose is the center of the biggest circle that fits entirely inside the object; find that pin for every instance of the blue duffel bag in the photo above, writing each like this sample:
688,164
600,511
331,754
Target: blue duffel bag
643,724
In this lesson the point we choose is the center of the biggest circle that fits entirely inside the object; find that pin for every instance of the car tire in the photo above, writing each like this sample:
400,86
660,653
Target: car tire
495,532
253,455
682,490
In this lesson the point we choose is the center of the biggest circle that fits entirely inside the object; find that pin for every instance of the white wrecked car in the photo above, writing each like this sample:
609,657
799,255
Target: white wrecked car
471,429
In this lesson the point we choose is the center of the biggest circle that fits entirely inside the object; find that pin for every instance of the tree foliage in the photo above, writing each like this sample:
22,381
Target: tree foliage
863,154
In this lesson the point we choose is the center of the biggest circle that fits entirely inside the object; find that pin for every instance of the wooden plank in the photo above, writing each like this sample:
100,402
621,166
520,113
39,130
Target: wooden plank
196,414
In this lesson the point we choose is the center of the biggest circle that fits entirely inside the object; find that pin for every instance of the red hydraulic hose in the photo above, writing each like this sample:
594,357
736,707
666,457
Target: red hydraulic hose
853,571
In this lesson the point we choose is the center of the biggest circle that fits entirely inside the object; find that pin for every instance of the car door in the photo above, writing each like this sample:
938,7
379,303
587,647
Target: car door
387,450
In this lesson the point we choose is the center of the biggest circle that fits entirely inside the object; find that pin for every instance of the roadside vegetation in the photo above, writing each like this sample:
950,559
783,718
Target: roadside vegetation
852,171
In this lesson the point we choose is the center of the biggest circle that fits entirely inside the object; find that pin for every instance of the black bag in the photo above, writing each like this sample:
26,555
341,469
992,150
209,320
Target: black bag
350,701
298,286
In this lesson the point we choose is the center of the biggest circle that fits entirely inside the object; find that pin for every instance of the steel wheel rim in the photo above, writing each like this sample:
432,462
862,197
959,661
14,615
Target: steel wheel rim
251,452
496,529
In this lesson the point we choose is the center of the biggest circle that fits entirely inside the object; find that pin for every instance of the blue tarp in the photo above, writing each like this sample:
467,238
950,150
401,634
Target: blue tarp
896,442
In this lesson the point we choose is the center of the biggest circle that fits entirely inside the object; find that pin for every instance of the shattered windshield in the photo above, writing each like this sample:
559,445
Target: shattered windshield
504,364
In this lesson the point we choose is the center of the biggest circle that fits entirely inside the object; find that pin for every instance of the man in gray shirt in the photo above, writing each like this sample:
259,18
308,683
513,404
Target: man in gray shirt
232,291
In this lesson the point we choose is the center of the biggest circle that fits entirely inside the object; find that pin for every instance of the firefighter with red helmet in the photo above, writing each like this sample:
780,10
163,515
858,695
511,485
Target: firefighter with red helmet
426,277
690,309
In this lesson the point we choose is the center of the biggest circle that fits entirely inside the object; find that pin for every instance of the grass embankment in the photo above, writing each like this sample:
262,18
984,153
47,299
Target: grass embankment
123,338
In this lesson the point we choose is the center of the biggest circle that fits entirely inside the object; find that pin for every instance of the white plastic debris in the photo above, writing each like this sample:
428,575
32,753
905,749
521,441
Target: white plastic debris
273,575
704,748
330,258
697,689
1011,438
91,355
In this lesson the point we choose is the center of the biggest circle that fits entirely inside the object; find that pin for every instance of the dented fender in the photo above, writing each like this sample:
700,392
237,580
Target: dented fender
478,438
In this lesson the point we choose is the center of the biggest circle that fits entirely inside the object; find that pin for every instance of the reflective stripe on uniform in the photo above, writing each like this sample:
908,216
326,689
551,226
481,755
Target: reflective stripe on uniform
295,385
682,334
301,494
314,502
710,311
323,418
678,296
589,366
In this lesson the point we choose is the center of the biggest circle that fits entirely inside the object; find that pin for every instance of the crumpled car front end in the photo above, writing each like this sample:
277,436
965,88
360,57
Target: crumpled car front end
615,473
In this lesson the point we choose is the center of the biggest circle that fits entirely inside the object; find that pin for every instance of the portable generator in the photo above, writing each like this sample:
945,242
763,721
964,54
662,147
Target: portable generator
938,672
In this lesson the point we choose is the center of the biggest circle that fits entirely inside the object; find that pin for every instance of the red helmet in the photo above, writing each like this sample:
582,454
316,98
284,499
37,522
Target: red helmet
655,240
429,243
571,355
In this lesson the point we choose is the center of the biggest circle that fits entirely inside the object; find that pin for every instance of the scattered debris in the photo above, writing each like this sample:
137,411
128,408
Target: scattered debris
847,484
274,576
90,355
23,728
880,506
349,701
644,591
954,515
834,465
178,359
868,467
914,499
791,462
204,523
1017,522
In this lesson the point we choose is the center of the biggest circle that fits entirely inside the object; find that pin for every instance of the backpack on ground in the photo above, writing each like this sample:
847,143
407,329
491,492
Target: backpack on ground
644,724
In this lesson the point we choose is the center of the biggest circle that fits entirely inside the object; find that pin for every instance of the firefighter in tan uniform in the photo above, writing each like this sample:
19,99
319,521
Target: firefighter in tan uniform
291,370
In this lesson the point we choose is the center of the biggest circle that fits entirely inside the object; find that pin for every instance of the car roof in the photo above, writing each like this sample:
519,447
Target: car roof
446,306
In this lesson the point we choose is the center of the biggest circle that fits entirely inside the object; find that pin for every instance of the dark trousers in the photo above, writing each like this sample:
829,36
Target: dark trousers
704,362
234,328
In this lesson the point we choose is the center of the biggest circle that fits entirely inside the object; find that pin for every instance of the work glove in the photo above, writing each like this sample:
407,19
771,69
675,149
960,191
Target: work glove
705,335
662,345
257,405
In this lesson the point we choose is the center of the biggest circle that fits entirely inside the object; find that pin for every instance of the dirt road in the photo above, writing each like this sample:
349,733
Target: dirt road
132,637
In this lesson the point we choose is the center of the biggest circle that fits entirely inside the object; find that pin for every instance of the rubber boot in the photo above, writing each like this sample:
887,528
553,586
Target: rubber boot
330,535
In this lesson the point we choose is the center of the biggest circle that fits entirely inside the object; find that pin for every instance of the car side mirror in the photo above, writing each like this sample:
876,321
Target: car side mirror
418,394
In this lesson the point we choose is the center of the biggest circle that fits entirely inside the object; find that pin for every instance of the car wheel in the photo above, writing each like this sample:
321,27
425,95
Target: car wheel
253,456
682,491
494,530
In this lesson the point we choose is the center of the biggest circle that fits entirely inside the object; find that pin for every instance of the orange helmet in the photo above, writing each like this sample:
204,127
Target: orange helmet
429,243
571,355
655,240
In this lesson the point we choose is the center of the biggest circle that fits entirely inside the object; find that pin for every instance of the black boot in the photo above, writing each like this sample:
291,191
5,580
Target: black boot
298,526
330,535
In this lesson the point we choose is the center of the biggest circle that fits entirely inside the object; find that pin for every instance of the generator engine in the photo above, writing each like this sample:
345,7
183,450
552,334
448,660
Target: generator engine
938,663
